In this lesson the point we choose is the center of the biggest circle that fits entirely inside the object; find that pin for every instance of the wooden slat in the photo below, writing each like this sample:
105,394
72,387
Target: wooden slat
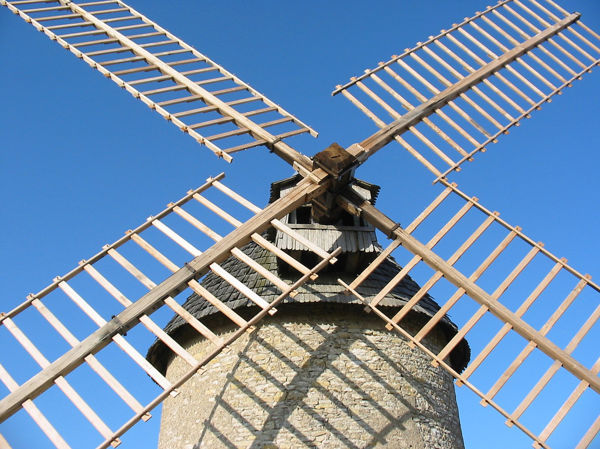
571,30
416,259
235,196
429,209
197,223
483,309
176,307
408,106
60,382
567,405
541,47
460,111
388,226
281,285
496,75
98,368
464,96
556,365
437,317
531,346
383,255
532,55
406,308
437,360
176,238
207,358
476,362
31,409
261,241
439,112
217,210
239,286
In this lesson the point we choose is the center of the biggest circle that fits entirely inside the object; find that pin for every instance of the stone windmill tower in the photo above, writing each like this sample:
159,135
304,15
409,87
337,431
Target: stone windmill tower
325,373
275,339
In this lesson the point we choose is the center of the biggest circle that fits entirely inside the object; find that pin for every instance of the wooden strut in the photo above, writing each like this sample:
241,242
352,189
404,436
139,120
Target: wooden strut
349,202
381,138
306,190
280,148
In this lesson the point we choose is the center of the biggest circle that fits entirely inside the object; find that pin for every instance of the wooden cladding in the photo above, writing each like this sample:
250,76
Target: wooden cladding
185,87
520,307
453,95
95,323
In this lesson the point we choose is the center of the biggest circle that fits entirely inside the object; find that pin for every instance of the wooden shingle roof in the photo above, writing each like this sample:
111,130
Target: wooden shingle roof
324,290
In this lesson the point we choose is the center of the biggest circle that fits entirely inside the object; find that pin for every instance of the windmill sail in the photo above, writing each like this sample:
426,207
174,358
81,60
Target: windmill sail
105,290
456,93
185,87
521,307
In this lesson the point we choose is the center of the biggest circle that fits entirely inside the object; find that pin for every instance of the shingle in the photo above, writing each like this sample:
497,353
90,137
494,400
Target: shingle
324,289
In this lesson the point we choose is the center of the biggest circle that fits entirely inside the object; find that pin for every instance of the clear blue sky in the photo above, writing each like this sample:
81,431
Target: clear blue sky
83,161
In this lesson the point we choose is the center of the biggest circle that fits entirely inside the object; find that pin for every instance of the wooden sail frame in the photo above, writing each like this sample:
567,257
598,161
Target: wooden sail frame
204,81
503,84
391,229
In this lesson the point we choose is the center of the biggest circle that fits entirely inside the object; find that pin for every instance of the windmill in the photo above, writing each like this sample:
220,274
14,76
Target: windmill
482,158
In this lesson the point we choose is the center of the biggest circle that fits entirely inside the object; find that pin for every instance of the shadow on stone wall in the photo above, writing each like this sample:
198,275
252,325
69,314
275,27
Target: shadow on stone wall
338,380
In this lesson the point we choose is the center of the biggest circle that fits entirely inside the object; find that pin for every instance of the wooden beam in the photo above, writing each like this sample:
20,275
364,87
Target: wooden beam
389,227
381,138
174,284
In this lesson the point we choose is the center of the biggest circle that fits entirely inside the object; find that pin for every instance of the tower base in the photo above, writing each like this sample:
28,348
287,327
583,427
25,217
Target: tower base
318,375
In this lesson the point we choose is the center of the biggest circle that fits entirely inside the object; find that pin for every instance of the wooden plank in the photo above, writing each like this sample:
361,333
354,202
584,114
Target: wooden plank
567,405
388,226
240,287
176,238
541,47
60,381
197,223
553,369
96,366
406,308
31,409
531,345
476,362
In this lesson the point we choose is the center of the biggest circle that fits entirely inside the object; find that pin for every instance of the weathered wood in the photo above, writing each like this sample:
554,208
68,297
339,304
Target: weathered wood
35,414
476,362
175,283
388,226
378,140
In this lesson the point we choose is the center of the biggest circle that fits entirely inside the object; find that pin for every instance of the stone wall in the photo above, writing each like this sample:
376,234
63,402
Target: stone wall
334,379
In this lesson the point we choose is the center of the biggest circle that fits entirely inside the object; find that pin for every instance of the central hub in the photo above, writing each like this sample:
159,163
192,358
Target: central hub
340,164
